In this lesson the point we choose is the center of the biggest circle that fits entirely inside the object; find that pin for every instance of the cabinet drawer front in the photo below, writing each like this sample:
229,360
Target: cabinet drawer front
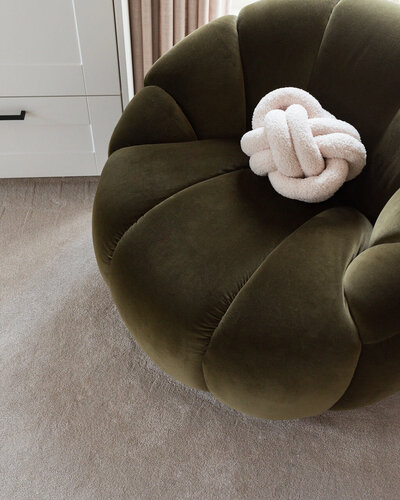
63,47
54,128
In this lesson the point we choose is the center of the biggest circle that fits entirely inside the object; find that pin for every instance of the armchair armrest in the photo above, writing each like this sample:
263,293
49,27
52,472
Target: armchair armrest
152,117
194,91
372,280
203,73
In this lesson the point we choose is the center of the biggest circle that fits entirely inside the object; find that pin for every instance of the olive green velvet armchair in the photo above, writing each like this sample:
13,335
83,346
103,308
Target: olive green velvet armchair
281,309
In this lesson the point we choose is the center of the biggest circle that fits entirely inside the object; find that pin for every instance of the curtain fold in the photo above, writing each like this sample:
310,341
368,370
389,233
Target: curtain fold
147,35
156,25
179,20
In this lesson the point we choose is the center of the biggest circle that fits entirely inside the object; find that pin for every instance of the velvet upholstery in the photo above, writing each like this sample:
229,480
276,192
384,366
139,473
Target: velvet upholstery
279,308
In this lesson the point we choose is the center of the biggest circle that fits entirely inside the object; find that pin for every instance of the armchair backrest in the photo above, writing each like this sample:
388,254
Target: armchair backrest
346,53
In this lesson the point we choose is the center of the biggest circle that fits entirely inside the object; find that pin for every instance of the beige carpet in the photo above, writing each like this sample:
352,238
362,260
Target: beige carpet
86,415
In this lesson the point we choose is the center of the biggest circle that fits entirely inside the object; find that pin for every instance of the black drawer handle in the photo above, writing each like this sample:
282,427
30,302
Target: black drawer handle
21,116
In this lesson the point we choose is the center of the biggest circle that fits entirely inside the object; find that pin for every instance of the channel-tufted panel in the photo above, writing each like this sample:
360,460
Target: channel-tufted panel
281,309
223,229
203,73
152,117
288,341
137,179
279,42
356,76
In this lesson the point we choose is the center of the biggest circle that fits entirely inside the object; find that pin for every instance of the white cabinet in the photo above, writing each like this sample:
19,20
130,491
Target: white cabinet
59,64
59,136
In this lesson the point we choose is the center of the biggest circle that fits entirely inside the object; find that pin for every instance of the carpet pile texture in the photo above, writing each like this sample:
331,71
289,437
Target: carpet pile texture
84,414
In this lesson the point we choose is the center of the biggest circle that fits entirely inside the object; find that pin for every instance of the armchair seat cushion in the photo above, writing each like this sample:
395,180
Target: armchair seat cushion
187,240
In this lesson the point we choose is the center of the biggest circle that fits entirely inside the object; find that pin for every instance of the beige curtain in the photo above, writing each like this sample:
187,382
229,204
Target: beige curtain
156,25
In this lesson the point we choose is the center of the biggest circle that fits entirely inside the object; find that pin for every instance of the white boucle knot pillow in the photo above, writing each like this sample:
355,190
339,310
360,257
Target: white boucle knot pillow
306,152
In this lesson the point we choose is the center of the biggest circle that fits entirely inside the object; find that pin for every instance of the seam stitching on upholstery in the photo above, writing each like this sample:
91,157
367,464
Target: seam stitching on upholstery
356,365
227,309
389,240
361,346
382,136
320,44
383,340
350,311
177,104
352,378
242,69
360,251
109,261
253,274
245,283
348,303
357,331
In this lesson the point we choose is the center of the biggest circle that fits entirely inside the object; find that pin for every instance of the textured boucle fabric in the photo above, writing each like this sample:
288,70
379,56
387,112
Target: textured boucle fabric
307,153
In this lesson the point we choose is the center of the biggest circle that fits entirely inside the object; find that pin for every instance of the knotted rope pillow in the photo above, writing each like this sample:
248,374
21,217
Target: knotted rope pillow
306,152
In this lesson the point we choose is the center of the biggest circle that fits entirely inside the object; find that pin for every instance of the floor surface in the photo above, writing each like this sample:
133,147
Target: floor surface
84,414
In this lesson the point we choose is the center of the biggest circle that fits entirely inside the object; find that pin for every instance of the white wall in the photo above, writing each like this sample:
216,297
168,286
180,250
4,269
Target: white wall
237,5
